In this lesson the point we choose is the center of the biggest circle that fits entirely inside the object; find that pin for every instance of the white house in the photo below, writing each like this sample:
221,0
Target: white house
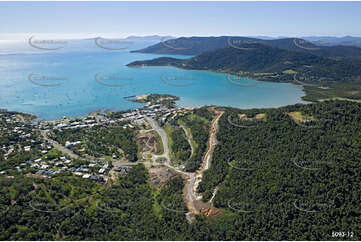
101,171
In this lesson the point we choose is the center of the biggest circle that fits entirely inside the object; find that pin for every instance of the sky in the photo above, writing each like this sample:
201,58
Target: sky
292,19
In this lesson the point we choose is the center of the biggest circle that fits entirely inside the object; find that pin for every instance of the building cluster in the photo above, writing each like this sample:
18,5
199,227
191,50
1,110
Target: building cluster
19,135
96,170
162,112
135,118
45,162
24,137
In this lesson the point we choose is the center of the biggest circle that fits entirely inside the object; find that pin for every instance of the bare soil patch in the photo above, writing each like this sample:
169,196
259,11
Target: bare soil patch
149,142
160,175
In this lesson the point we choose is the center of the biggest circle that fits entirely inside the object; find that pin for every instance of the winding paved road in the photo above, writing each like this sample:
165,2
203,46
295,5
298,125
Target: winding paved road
195,177
163,136
58,146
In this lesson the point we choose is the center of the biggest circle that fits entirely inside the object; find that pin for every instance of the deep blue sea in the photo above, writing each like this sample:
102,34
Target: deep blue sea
72,83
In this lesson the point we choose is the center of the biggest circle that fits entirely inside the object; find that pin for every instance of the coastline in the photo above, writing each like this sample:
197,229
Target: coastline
252,78
308,95
317,93
49,113
140,99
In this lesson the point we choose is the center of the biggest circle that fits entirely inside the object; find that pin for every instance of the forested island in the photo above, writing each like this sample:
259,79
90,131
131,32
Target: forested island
325,72
197,45
154,99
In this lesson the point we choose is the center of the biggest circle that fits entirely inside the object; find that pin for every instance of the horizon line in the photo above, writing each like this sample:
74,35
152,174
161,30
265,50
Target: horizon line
18,36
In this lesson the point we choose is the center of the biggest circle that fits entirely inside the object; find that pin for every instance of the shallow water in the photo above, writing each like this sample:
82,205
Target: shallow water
73,83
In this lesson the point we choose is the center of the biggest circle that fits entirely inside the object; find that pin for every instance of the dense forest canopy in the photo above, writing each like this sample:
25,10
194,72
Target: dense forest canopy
198,124
325,72
280,64
198,45
293,174
287,177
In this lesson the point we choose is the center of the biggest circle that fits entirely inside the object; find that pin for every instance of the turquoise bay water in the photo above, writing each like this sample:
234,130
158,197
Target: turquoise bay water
89,81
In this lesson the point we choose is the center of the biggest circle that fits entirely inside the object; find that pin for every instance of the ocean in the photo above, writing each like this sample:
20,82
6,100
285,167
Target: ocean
74,82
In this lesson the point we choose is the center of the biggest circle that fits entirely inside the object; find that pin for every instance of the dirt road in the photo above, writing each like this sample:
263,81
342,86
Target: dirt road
192,179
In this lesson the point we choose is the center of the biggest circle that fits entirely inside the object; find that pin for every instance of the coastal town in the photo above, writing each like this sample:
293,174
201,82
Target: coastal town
180,121
30,147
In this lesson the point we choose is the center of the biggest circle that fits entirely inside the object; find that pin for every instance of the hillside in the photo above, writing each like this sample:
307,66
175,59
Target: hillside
285,176
331,41
279,177
198,45
268,64
322,77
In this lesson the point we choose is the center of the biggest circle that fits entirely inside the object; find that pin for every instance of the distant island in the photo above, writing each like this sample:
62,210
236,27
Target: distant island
153,99
199,45
325,72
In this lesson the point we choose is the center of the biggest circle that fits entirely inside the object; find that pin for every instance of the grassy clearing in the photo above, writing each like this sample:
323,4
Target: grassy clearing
298,116
338,91
341,99
194,144
257,117
157,208
193,117
139,152
290,72
168,130
261,116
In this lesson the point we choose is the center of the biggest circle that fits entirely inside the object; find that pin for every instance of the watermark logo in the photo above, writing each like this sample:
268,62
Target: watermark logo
238,81
176,44
313,124
45,81
243,165
116,207
297,81
239,43
241,206
111,80
44,207
47,44
236,121
314,206
176,207
113,44
311,165
300,43
178,81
